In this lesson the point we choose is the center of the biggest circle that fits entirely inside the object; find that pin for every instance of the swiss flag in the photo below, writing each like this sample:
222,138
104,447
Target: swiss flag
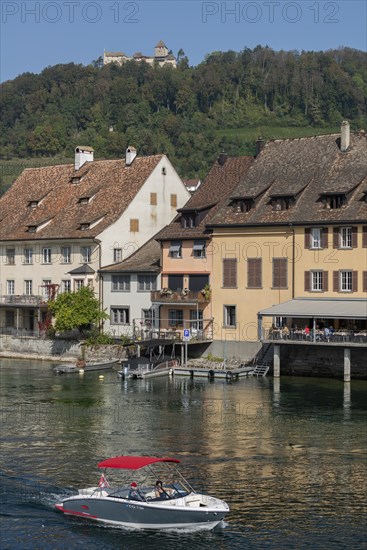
103,482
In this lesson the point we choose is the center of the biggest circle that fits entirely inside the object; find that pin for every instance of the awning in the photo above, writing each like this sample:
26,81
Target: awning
199,245
132,462
175,248
322,308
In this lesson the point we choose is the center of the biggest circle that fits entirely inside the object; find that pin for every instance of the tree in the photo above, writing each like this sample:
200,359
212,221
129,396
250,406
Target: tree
77,309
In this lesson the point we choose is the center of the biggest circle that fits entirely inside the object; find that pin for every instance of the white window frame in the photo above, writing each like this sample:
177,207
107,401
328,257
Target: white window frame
117,255
66,285
45,290
316,281
345,237
147,283
10,256
10,287
227,315
346,280
86,254
46,255
316,238
78,283
28,287
199,252
28,256
66,255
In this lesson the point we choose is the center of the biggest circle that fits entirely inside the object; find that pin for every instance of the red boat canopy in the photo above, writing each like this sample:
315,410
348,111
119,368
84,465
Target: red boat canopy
132,462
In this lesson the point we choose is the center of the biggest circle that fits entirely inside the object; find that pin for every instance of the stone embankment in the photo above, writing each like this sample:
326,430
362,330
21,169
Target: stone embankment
207,363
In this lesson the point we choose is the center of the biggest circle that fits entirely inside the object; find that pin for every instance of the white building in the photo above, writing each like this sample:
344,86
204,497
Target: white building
60,224
161,57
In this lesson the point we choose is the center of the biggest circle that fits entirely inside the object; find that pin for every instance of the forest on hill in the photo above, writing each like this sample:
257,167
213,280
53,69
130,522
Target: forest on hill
188,113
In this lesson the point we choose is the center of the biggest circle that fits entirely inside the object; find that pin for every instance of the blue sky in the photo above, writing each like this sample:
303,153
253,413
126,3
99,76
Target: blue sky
36,34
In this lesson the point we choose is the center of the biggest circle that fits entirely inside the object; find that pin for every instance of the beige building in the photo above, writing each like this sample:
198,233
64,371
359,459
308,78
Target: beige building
161,57
295,228
60,224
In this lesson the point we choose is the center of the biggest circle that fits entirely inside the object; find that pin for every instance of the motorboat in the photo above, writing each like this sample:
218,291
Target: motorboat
141,500
84,367
149,370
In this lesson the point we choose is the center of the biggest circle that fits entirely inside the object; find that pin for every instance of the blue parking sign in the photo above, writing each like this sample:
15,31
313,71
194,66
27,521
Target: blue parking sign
186,333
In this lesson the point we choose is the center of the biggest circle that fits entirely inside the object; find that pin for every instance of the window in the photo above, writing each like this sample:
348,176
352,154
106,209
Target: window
175,250
282,203
78,283
86,253
333,202
346,281
279,272
229,316
10,256
10,287
134,225
120,315
84,226
147,316
199,249
33,204
175,317
75,179
174,201
345,237
117,255
28,255
46,255
188,220
242,205
175,282
316,280
254,273
315,237
147,283
153,199
198,282
28,287
32,228
83,200
46,288
229,273
66,285
196,318
9,318
120,283
65,254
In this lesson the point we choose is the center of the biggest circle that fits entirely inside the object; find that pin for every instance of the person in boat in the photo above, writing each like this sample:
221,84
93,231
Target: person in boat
134,493
162,492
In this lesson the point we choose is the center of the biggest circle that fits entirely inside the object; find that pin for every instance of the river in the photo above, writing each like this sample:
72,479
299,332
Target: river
288,455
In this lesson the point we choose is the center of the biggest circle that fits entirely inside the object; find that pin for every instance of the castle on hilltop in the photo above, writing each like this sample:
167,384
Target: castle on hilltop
161,57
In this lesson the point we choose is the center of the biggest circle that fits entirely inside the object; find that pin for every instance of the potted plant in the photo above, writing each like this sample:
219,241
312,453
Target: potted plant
166,292
206,291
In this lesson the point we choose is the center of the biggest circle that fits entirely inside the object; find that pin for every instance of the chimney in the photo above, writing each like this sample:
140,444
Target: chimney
222,158
83,155
345,136
259,146
130,155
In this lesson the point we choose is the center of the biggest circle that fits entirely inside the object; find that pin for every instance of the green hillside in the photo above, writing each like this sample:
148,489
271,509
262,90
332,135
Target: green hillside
190,113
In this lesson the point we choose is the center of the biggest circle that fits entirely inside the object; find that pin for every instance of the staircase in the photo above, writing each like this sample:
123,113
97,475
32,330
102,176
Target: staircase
260,370
263,360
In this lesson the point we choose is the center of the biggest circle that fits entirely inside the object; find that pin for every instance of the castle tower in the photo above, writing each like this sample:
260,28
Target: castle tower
160,49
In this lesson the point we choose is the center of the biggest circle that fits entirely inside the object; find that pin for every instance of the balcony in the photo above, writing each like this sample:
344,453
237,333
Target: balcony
23,300
182,297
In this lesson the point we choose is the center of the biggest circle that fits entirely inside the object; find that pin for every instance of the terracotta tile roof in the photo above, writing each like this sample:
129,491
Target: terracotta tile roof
111,184
305,168
212,194
145,260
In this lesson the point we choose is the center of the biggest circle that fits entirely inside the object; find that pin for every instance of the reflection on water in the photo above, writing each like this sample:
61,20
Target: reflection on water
288,455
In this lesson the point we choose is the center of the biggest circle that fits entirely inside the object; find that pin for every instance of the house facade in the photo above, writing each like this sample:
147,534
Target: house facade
185,298
295,228
126,292
60,224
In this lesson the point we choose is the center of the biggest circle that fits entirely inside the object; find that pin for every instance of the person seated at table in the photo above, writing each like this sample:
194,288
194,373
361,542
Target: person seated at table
306,331
331,329
285,332
327,333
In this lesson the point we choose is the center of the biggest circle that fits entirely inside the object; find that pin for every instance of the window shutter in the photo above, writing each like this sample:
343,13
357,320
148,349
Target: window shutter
324,237
354,281
364,281
230,272
279,273
254,273
364,237
325,281
174,201
336,281
307,281
307,237
336,237
134,225
153,199
354,237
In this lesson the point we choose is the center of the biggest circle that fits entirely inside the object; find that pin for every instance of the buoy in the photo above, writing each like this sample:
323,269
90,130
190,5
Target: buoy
101,377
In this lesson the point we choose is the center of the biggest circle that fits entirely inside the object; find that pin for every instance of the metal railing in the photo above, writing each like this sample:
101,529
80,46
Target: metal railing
169,296
316,337
23,299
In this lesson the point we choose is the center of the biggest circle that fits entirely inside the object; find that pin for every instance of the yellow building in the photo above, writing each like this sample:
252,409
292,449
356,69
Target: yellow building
295,228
